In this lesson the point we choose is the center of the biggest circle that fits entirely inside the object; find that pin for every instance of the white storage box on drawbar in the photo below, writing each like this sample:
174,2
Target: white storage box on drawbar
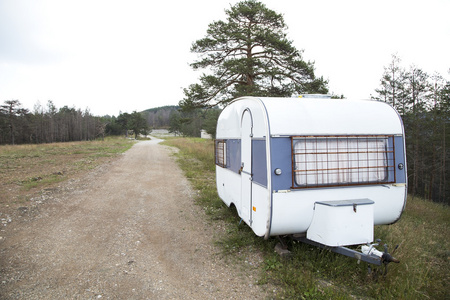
344,222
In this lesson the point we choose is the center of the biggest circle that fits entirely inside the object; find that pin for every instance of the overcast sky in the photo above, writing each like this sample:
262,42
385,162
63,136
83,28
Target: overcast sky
113,56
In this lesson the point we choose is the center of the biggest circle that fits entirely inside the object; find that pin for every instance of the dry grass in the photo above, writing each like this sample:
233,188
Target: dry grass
25,170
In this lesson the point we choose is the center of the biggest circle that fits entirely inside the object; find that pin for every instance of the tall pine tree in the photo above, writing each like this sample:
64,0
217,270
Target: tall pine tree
249,54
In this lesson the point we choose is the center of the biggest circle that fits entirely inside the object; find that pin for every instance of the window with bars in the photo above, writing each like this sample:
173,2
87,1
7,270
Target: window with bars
342,160
221,153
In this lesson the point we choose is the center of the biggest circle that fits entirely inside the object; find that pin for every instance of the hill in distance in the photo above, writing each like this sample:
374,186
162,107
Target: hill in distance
159,117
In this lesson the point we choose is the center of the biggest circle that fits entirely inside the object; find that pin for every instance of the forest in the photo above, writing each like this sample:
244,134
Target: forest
47,124
423,102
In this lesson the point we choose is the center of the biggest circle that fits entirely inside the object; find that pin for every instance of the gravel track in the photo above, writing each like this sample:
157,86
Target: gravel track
127,230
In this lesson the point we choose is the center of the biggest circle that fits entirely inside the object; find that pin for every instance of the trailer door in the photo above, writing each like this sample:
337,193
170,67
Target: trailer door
246,166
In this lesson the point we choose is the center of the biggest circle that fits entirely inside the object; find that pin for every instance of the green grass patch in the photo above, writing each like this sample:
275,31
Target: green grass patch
41,181
311,273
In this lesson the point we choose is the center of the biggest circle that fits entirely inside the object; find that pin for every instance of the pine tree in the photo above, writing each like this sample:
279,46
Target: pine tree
249,55
392,86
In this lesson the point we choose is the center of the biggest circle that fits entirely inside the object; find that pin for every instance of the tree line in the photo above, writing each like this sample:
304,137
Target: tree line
177,121
47,124
423,101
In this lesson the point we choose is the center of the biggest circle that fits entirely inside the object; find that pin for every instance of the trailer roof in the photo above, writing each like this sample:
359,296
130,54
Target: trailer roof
316,116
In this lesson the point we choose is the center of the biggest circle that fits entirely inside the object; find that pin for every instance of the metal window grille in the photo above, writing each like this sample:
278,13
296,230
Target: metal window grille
322,161
221,153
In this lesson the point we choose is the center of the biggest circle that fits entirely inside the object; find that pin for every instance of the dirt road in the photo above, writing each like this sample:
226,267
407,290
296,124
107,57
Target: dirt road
128,230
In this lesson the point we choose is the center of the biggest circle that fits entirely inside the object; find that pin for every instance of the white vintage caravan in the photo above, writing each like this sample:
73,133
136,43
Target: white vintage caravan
329,169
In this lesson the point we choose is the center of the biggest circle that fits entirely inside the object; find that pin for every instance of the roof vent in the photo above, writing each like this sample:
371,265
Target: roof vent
320,96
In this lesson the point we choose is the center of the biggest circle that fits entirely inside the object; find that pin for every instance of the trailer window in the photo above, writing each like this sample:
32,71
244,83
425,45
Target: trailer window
221,153
342,160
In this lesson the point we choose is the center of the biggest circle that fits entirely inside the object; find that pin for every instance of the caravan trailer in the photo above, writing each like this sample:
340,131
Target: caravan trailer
326,169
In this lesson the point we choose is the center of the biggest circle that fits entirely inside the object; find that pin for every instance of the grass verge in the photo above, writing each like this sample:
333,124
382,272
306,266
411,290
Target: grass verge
311,273
25,170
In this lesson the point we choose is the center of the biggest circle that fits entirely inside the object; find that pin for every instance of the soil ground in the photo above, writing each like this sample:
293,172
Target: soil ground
127,230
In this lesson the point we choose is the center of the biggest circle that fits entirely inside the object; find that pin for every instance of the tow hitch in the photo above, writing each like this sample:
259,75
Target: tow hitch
385,257
368,253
